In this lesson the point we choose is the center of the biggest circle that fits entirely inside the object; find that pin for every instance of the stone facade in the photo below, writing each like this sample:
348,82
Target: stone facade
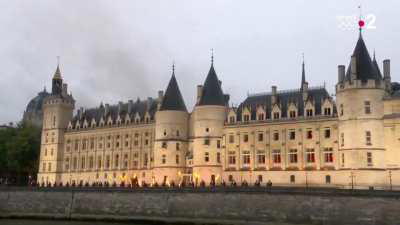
290,137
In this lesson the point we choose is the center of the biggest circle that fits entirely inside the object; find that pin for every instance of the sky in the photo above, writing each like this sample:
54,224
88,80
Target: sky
114,51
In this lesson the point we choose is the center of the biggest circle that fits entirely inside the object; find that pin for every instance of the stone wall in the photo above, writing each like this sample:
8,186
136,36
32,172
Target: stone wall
220,206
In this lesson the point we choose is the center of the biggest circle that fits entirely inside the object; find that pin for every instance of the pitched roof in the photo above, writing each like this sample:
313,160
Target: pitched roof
173,99
212,93
284,98
365,68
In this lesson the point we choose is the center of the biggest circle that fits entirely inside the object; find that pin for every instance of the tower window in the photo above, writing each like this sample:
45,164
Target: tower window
368,138
369,158
177,159
177,146
206,157
367,107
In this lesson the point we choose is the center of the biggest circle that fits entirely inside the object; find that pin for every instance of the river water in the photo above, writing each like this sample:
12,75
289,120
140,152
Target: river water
66,222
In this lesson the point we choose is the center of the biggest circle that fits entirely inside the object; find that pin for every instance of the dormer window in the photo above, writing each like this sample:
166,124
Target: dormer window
309,112
327,111
232,119
261,116
276,115
292,114
246,118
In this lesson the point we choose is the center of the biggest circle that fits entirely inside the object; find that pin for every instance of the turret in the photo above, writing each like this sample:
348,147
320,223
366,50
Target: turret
171,135
57,110
359,96
208,121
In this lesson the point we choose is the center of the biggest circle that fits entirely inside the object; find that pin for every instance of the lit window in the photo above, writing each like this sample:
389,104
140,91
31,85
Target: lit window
310,155
293,155
328,155
276,156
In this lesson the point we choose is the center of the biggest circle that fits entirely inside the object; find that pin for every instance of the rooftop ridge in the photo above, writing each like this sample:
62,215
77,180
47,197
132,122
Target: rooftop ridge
285,91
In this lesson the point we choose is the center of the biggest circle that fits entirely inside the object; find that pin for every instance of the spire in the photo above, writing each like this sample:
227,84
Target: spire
212,57
376,66
57,74
303,73
212,93
173,99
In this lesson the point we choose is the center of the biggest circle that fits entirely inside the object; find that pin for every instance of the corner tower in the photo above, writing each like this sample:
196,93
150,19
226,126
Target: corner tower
171,135
360,93
209,117
57,112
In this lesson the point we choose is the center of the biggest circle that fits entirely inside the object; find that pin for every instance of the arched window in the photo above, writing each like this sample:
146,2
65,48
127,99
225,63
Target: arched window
292,179
327,179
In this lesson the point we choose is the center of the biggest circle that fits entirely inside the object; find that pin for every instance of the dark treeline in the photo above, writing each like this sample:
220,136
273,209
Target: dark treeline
19,153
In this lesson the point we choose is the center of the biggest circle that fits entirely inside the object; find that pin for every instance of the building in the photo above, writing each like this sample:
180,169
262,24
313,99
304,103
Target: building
291,137
34,110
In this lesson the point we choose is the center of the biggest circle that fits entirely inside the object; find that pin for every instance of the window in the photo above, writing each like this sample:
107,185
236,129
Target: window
84,144
99,162
260,137
207,129
246,118
177,133
116,161
83,164
76,145
206,141
292,135
231,158
369,158
49,167
276,115
327,133
231,119
309,112
276,136
163,159
146,142
246,157
164,144
107,162
126,143
293,156
206,157
327,111
310,155
218,157
276,156
328,155
218,143
292,114
260,157
341,109
145,159
292,179
309,134
342,139
246,138
117,144
75,163
367,107
67,163
177,159
261,116
125,161
44,167
231,138
342,159
368,138
91,162
177,146
230,178
327,179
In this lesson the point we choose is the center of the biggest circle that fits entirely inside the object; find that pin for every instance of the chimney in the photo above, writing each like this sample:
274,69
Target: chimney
81,110
274,95
130,106
64,90
148,103
386,68
341,72
199,93
160,95
353,68
119,107
106,109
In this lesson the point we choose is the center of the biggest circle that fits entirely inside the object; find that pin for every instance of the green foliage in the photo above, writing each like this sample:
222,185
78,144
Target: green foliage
19,150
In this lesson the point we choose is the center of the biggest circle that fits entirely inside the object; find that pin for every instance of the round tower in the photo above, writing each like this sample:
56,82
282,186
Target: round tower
171,134
57,112
209,117
359,94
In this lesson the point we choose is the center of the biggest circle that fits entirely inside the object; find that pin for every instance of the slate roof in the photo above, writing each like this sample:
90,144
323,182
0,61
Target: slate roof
173,99
212,93
35,105
317,95
366,70
140,107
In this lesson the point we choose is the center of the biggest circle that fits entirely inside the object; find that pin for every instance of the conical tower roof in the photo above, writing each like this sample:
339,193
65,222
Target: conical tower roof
212,93
57,74
365,67
173,99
